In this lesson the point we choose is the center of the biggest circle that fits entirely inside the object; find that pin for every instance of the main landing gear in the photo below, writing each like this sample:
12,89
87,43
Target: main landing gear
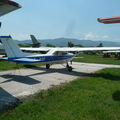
47,66
69,68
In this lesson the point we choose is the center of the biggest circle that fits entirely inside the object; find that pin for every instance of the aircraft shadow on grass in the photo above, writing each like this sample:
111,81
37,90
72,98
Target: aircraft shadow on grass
116,96
7,100
19,78
107,76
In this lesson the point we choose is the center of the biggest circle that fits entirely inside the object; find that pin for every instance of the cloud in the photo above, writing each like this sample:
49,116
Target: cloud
93,36
89,36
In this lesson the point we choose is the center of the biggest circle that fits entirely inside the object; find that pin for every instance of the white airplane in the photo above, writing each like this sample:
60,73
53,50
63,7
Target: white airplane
36,47
53,55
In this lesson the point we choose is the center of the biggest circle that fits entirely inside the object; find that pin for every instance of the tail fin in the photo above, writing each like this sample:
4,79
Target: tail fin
11,48
36,43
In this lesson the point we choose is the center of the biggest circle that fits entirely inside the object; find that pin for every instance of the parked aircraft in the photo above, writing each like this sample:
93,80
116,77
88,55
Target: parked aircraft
35,42
39,49
54,55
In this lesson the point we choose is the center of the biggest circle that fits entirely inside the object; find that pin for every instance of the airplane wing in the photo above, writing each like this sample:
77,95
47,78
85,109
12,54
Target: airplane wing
7,6
39,49
109,20
87,49
116,51
67,49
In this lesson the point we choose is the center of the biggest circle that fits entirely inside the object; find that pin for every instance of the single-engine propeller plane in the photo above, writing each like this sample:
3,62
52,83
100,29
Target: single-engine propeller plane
53,55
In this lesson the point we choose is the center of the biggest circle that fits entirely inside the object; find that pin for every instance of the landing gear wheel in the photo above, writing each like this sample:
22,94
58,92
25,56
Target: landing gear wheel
47,66
69,69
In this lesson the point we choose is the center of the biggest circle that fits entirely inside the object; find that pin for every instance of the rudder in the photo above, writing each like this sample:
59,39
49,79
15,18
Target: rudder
11,48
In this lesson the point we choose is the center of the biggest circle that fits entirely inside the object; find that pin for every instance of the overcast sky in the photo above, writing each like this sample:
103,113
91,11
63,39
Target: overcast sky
62,18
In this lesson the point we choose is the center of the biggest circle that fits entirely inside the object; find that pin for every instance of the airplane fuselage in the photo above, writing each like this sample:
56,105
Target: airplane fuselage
42,59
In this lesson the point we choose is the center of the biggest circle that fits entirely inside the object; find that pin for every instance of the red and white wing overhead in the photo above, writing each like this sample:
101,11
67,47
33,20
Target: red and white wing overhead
109,20
7,6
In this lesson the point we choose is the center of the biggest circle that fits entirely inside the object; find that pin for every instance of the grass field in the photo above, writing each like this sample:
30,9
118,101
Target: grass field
96,97
4,65
97,59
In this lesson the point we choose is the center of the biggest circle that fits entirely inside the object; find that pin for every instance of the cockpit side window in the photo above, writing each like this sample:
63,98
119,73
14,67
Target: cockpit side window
60,53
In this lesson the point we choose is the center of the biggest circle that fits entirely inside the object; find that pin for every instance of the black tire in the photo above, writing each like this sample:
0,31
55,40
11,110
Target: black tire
70,69
47,66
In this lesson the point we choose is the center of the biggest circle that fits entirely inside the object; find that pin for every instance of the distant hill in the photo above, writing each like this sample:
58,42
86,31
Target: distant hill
64,41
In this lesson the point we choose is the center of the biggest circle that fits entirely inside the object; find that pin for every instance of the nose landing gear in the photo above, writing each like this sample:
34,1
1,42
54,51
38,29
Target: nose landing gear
47,66
69,68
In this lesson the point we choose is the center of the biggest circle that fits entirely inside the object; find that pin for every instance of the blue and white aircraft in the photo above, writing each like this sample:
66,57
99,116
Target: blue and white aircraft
16,55
53,55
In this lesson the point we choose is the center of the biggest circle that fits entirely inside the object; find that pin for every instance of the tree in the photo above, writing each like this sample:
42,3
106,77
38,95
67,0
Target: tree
50,45
25,45
79,45
100,45
70,44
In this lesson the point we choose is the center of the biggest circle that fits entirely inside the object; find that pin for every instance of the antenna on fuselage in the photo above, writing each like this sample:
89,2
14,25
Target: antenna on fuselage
0,24
0,27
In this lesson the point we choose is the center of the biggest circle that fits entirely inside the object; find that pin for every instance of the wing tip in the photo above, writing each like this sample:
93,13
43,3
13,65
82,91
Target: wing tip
10,2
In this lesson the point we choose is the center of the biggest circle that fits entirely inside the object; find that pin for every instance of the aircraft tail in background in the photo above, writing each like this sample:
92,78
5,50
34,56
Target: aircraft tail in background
36,43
